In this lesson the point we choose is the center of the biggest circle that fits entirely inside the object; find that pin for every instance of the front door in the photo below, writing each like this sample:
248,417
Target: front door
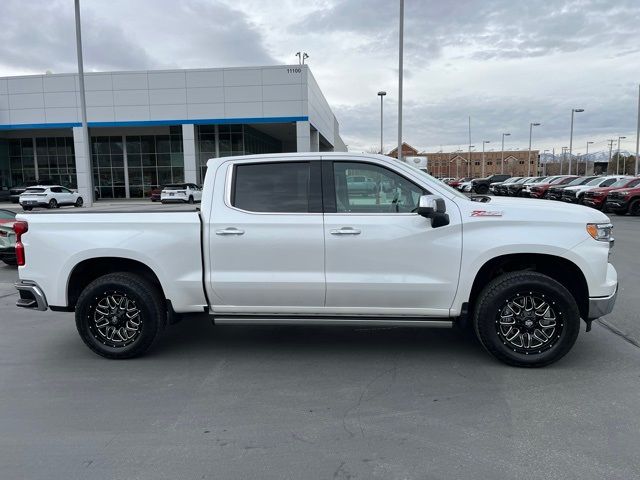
266,238
382,258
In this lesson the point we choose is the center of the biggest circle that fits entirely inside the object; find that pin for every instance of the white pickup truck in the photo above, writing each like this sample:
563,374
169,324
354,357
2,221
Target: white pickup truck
281,239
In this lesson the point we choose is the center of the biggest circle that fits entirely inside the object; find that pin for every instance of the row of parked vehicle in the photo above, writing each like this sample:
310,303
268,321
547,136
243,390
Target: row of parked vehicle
619,194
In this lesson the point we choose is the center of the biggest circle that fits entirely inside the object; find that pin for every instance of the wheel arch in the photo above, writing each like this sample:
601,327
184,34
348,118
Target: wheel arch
560,269
90,269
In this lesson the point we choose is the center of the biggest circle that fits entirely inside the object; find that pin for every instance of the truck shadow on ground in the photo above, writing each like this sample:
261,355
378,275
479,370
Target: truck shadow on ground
196,335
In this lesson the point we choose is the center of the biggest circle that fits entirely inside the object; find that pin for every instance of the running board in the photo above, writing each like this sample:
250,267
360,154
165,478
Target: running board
334,321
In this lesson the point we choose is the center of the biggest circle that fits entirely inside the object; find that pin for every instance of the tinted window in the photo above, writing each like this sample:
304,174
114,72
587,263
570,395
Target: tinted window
383,191
6,214
272,187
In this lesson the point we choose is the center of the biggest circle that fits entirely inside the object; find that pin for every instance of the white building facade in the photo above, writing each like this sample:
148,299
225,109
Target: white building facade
151,128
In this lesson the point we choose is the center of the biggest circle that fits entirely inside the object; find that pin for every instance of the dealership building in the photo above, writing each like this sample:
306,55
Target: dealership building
150,128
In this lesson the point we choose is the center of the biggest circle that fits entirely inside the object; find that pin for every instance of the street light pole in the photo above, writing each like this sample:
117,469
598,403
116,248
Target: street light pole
618,159
638,131
483,144
381,94
531,125
400,60
586,159
502,161
573,110
88,196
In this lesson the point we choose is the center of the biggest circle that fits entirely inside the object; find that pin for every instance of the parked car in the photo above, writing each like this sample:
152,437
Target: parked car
155,194
595,198
181,192
49,197
465,186
7,237
361,185
625,200
576,194
481,185
5,194
16,191
516,188
555,191
540,189
526,189
297,248
456,183
500,188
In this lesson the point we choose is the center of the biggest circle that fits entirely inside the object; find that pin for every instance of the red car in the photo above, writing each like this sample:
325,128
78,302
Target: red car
625,200
540,191
595,198
455,183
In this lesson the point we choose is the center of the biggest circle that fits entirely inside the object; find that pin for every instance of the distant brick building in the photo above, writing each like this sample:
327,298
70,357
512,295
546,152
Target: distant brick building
456,164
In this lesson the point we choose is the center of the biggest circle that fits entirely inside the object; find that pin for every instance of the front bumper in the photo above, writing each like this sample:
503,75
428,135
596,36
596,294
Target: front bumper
601,306
617,204
31,296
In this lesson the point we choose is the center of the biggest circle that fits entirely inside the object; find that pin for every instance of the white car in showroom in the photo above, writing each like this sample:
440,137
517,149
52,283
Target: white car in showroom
49,196
181,192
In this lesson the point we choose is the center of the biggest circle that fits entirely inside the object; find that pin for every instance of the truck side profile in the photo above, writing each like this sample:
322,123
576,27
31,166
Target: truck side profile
281,239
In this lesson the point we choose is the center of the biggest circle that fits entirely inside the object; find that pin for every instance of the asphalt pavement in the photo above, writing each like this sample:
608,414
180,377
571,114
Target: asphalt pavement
314,403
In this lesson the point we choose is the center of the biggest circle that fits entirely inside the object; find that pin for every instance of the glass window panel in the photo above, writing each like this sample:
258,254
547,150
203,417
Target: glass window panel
178,174
149,176
133,145
367,188
147,144
135,176
225,144
236,142
177,160
176,144
164,159
148,160
43,161
106,192
104,161
105,177
272,187
119,192
116,145
164,176
134,160
163,144
14,148
60,146
118,175
135,191
117,161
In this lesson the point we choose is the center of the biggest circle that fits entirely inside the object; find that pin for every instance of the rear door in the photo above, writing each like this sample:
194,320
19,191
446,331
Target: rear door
266,238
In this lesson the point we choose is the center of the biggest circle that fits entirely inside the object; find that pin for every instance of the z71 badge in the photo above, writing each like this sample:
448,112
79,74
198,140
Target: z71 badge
486,213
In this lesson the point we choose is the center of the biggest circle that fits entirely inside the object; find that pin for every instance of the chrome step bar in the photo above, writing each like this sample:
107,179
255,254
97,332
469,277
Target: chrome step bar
333,321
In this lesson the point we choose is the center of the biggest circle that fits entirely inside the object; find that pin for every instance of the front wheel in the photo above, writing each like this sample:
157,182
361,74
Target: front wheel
634,208
27,209
481,189
120,315
79,202
526,319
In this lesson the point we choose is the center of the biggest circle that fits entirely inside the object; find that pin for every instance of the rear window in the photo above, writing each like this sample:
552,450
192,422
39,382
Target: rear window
34,190
281,187
175,187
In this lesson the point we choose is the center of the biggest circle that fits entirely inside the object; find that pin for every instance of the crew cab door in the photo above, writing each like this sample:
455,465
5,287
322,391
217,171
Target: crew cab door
381,257
266,238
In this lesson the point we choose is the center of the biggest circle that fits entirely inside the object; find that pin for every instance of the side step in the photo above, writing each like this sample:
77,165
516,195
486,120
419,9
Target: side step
335,321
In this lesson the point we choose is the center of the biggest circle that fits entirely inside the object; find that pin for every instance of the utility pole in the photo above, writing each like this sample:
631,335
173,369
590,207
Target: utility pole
484,142
89,193
400,60
610,151
531,125
638,131
469,163
618,159
381,94
573,110
586,160
502,161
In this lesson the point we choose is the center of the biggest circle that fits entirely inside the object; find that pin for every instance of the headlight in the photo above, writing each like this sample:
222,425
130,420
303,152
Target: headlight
623,193
600,231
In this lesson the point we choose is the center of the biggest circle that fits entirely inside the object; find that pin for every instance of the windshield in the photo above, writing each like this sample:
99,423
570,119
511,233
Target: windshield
558,180
577,181
7,215
596,181
634,183
620,183
438,182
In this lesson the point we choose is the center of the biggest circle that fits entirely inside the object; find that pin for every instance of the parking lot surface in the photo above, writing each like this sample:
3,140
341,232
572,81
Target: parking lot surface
283,402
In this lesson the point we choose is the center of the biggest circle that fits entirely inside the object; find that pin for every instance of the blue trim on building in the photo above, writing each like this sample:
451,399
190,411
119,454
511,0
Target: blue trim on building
151,123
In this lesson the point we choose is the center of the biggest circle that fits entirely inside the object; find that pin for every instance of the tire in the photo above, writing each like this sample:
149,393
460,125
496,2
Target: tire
190,201
482,189
53,203
106,294
620,211
79,202
27,209
634,208
497,304
13,262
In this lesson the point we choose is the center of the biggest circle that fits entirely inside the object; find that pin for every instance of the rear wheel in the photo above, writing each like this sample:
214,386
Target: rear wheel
79,202
12,261
27,209
53,203
526,319
120,315
482,189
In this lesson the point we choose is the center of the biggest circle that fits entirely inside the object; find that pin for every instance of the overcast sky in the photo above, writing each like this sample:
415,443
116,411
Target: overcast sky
504,62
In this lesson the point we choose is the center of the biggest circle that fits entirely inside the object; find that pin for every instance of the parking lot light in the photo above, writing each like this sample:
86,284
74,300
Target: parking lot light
531,125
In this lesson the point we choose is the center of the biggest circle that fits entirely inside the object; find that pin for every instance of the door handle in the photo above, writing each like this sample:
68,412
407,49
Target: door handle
345,231
230,231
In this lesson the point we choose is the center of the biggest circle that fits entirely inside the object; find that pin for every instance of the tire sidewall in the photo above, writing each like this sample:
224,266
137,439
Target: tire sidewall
149,314
560,299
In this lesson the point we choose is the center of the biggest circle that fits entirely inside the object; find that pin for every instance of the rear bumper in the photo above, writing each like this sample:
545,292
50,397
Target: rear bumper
7,252
31,296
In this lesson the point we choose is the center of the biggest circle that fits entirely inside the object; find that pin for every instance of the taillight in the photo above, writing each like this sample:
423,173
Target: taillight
20,228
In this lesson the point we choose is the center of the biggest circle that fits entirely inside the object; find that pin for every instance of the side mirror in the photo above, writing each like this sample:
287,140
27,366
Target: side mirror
433,207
